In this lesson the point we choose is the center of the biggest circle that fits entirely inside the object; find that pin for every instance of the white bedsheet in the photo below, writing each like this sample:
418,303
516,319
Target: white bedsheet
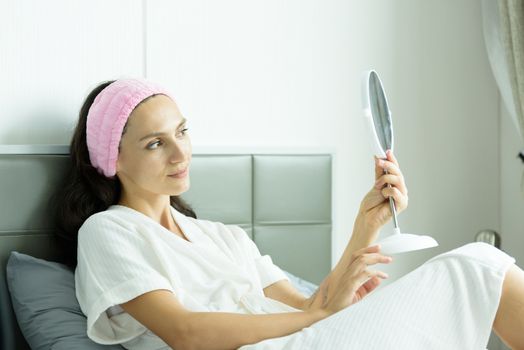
448,303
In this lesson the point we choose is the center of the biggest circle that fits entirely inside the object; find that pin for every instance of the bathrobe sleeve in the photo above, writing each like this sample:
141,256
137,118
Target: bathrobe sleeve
115,264
268,272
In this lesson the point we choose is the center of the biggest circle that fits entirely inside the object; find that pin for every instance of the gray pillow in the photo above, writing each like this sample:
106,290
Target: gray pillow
44,301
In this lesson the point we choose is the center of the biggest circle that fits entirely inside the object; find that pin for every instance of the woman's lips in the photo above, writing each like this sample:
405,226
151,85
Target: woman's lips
180,175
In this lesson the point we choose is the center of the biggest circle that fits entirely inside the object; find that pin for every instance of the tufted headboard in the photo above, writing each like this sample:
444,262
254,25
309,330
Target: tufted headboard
282,201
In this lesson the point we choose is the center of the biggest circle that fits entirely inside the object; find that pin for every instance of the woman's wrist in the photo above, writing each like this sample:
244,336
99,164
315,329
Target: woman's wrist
366,220
316,300
363,232
363,235
319,313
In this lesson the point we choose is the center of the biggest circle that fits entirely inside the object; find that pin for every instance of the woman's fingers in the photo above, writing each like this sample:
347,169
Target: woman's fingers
390,164
381,165
400,198
365,276
358,279
371,284
393,176
391,157
392,184
366,288
379,170
368,256
393,173
375,258
393,180
369,249
358,270
390,167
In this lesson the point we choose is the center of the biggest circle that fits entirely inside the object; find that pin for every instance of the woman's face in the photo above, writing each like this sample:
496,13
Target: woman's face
154,146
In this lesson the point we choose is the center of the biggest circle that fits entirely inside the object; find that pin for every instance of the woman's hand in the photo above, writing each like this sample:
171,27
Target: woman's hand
375,205
356,280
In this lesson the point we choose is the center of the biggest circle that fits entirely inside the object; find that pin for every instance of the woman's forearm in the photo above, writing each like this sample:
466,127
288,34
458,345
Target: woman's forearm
220,330
363,235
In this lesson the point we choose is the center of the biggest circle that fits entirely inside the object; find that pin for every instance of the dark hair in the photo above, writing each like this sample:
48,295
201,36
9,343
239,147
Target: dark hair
85,191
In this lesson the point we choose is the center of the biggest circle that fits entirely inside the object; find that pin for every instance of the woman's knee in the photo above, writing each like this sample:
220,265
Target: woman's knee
509,320
478,252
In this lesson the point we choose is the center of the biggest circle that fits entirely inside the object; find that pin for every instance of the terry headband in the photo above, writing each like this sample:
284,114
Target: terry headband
107,116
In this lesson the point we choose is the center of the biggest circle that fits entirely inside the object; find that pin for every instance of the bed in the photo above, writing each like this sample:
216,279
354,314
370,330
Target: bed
280,200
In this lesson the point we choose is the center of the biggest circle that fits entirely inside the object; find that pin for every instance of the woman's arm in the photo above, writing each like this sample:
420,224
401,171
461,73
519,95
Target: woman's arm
213,330
285,292
163,314
374,213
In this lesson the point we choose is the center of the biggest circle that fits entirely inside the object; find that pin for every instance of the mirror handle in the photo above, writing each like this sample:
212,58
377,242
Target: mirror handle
392,206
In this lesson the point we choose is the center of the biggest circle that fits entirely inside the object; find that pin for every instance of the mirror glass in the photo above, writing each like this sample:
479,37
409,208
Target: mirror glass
380,112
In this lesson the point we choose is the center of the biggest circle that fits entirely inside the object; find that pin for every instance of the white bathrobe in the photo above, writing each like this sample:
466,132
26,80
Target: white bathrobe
448,303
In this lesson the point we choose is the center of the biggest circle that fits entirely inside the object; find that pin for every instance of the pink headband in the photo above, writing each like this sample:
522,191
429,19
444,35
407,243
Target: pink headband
107,116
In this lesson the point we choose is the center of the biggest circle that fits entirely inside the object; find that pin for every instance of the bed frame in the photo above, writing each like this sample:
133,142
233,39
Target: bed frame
283,202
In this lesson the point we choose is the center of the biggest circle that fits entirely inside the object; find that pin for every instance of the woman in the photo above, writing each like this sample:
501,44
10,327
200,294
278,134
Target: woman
152,276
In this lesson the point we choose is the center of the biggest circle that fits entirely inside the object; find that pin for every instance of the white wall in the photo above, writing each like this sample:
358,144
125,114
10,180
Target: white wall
52,53
281,74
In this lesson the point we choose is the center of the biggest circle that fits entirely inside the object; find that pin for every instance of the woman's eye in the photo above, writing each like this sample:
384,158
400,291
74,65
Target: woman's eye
153,145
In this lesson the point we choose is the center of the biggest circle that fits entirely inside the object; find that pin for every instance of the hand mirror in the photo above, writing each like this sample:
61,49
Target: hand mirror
380,125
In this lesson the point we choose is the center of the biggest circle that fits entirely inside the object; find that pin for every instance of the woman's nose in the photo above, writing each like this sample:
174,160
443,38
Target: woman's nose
178,152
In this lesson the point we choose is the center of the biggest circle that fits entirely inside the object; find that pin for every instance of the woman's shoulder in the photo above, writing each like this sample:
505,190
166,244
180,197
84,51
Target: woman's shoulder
109,216
99,225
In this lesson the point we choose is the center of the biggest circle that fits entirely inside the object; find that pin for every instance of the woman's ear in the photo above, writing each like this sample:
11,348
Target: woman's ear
117,165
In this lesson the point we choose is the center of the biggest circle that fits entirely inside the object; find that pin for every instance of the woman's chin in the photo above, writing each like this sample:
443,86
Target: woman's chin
178,190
